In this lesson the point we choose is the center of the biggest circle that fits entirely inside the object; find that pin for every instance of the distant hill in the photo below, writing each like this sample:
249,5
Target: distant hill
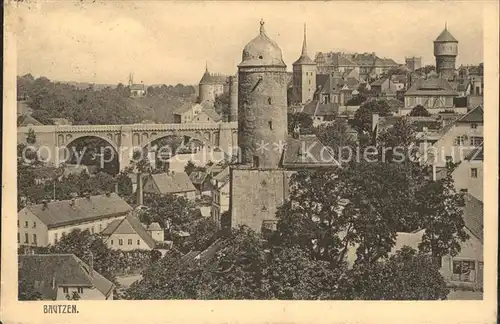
85,103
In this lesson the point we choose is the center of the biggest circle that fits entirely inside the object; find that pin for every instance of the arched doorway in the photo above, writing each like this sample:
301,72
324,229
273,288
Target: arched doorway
95,152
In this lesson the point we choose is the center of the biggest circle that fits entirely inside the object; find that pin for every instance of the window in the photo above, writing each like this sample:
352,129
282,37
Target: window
448,158
138,242
476,140
270,125
26,224
18,238
18,223
111,242
34,224
26,238
309,81
34,239
255,161
65,290
473,172
129,241
460,140
269,100
473,126
55,237
80,290
464,270
120,242
100,227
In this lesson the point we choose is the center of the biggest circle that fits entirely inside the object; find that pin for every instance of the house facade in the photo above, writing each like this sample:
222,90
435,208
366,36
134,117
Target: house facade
46,223
56,276
220,195
433,93
129,234
172,183
460,138
468,175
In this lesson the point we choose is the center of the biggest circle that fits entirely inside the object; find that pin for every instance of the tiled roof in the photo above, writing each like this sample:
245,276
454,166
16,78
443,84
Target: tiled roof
27,120
222,176
446,36
130,225
65,269
307,151
334,58
210,112
154,227
184,108
209,78
473,116
314,108
170,183
476,154
473,216
378,82
66,212
432,86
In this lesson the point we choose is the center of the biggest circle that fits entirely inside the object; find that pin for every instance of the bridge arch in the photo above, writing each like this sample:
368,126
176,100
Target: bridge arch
92,150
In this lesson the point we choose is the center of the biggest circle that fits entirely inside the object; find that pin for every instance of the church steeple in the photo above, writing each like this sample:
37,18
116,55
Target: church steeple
304,44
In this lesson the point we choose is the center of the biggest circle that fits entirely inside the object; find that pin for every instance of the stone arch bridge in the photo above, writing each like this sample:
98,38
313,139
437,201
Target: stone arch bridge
52,139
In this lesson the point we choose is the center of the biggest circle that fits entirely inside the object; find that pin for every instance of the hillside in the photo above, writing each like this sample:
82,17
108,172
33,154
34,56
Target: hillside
100,105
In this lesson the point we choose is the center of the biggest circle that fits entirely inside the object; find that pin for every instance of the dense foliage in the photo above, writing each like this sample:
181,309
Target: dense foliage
363,116
301,121
419,110
104,105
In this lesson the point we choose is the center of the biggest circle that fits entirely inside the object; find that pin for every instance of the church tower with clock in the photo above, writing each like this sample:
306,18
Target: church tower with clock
262,103
446,51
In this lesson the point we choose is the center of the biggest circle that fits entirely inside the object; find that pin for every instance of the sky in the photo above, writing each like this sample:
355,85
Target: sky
170,42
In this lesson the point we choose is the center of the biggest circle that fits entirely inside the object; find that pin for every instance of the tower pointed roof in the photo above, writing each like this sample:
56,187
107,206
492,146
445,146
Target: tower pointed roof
304,59
446,36
207,77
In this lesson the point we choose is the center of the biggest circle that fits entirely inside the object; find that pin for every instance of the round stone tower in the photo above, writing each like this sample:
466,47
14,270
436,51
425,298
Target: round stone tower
262,103
446,51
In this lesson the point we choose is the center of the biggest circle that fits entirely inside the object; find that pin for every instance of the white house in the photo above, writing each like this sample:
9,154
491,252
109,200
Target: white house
130,234
56,276
46,223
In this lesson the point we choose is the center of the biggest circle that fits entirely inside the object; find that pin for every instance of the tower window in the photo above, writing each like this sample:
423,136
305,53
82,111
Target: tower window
269,100
255,161
270,125
260,57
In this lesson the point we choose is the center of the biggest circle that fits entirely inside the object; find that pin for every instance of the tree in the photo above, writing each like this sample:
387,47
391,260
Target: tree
171,212
363,116
80,243
406,275
26,290
439,208
419,110
31,138
222,105
337,136
302,120
73,296
357,100
396,142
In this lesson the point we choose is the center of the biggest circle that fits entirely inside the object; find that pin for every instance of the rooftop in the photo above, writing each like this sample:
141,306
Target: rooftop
73,211
433,86
130,225
64,270
476,115
170,183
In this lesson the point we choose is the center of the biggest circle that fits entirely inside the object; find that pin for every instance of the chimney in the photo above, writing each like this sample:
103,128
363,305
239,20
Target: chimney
375,119
72,202
139,190
45,204
116,187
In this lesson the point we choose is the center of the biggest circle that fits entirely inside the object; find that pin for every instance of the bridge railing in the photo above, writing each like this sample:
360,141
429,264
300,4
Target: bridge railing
128,127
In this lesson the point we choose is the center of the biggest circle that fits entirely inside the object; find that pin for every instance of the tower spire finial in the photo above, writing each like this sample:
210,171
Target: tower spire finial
262,30
206,66
446,25
304,44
